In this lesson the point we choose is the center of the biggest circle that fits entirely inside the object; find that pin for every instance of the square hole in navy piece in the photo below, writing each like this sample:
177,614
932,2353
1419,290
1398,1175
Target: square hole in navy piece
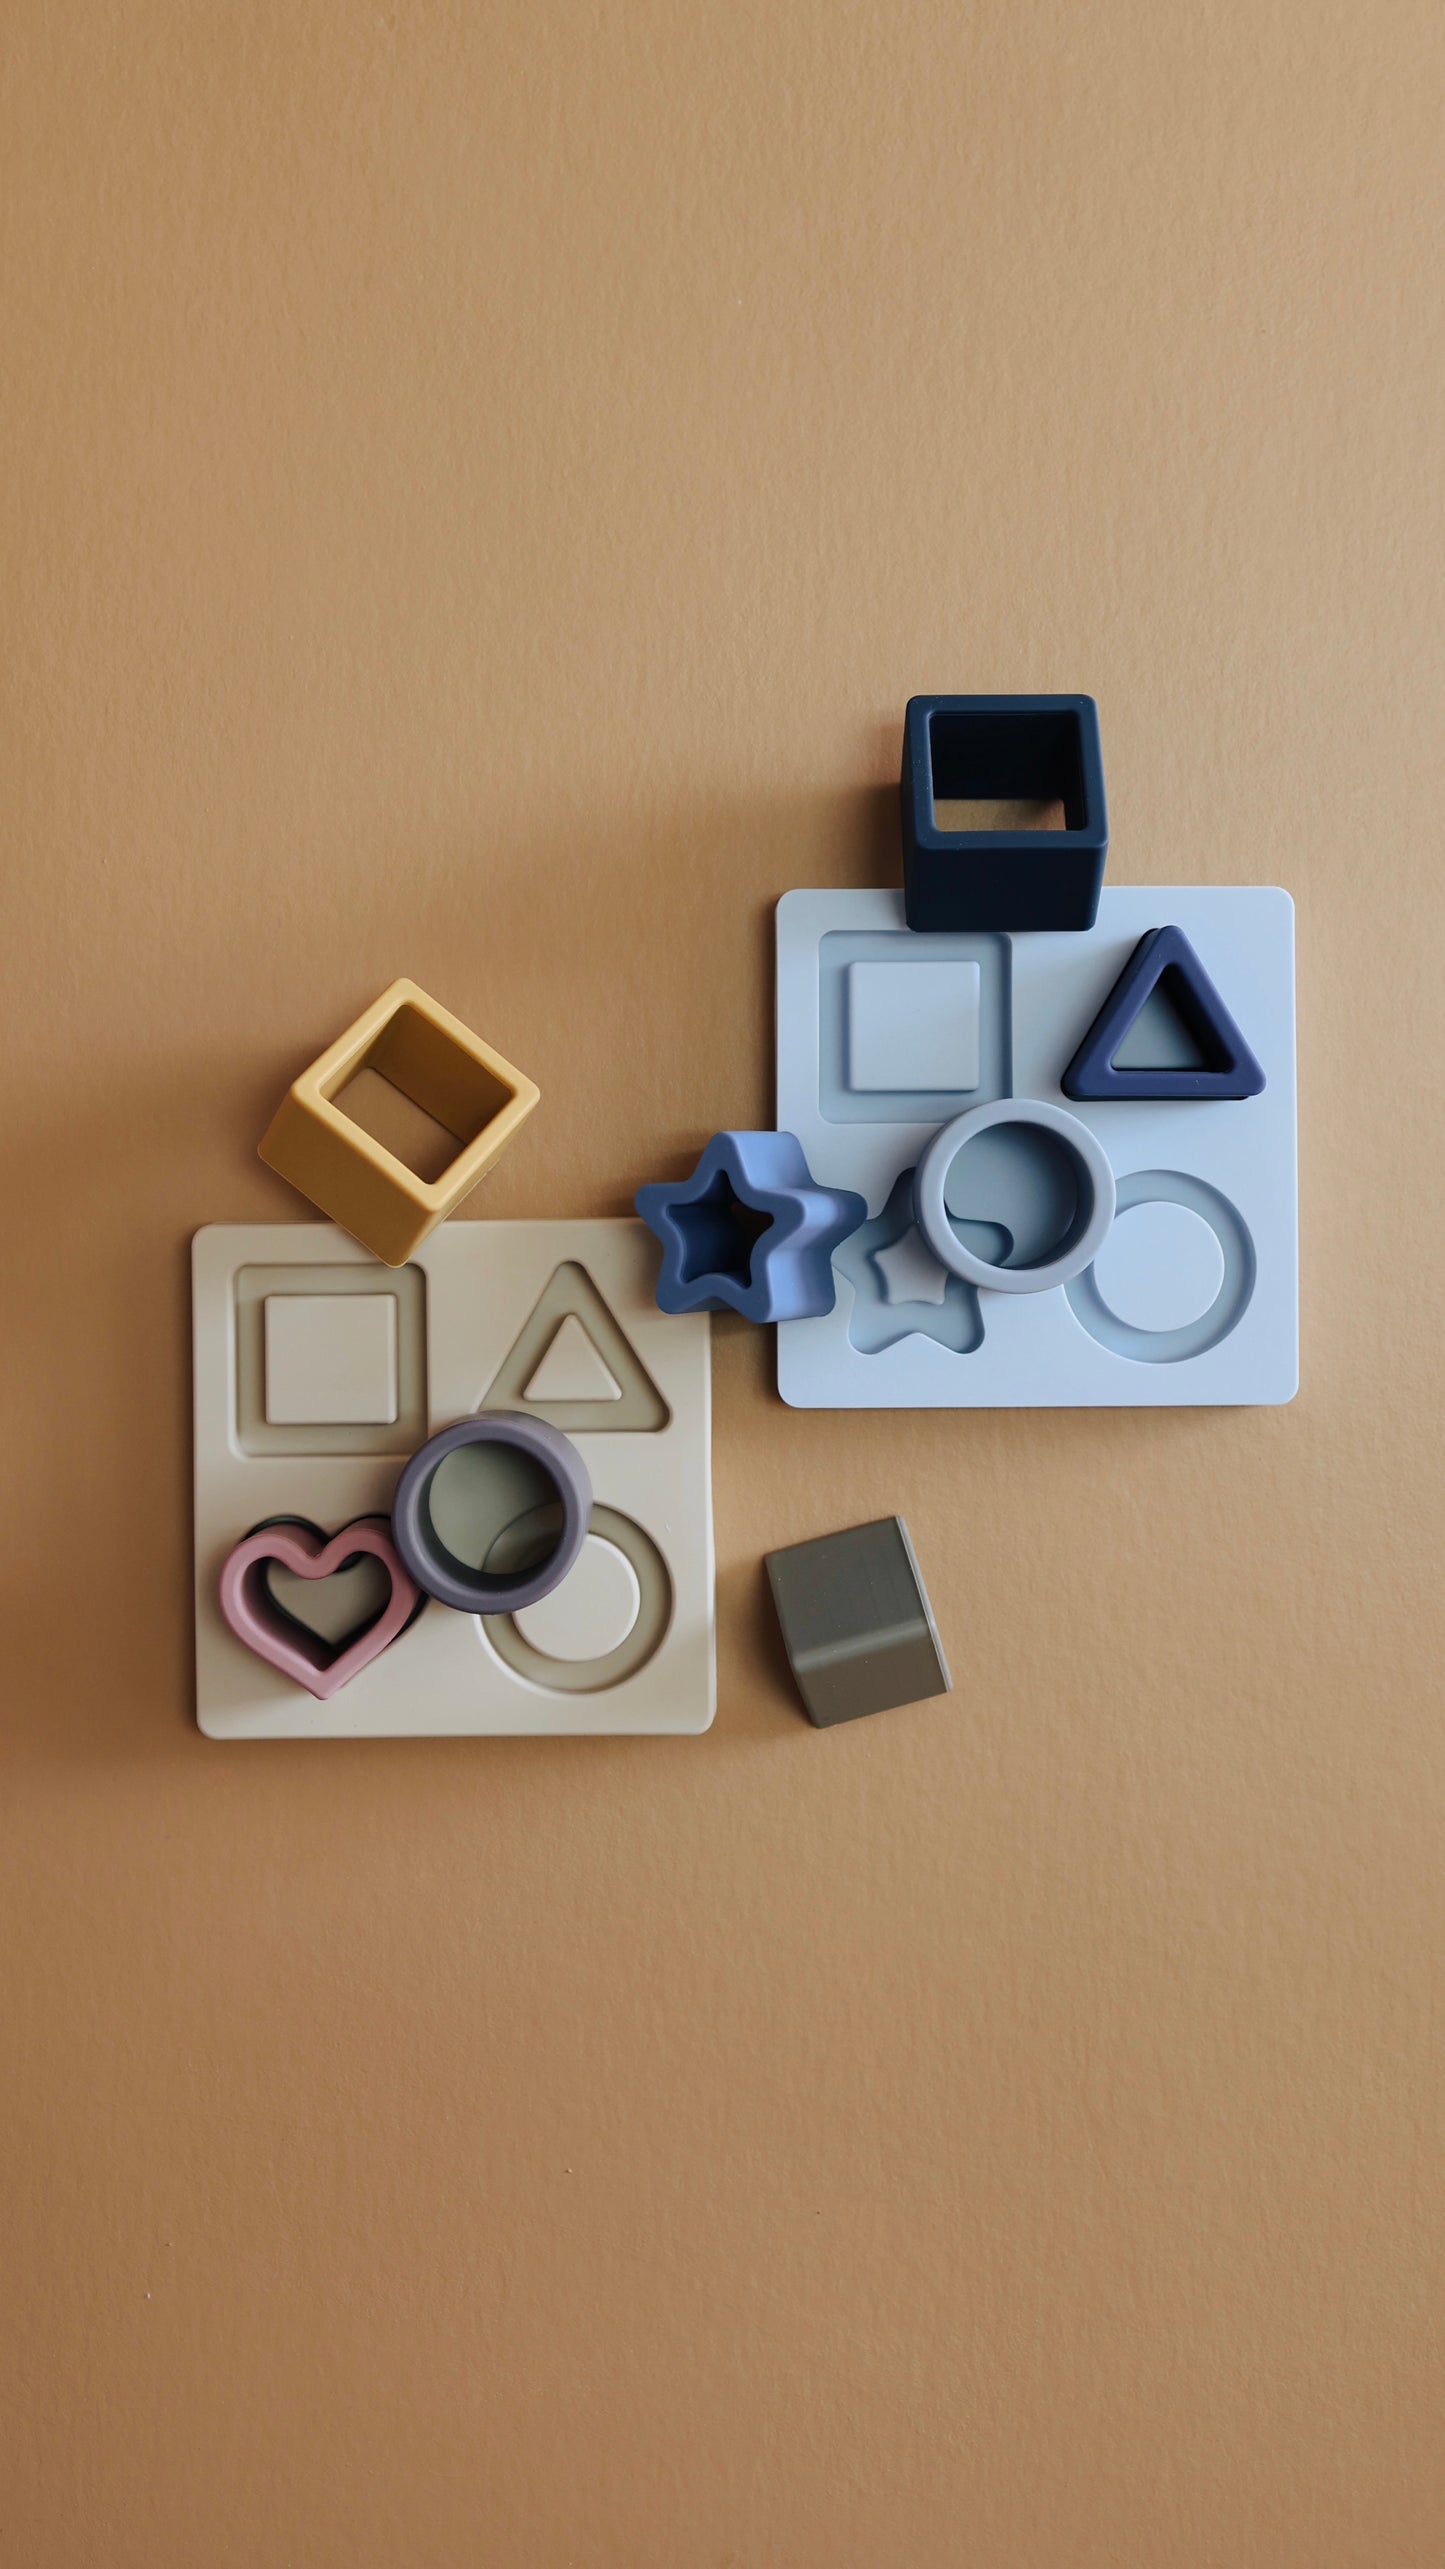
1034,765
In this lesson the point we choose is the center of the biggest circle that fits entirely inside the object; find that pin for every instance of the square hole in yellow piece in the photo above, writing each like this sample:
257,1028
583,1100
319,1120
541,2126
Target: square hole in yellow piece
445,1074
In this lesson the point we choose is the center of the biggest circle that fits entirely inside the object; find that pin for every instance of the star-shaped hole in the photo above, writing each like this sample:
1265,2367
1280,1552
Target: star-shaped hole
900,1290
719,1233
909,1270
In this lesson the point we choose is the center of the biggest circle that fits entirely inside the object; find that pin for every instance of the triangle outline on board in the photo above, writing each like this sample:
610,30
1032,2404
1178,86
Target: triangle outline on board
1231,1068
572,1368
634,1406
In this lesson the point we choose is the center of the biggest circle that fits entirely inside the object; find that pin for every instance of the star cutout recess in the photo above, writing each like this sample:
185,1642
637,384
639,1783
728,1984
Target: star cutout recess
900,1290
749,1231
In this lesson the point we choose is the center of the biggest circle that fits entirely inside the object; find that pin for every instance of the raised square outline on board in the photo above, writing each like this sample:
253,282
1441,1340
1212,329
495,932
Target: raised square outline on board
480,1280
330,1359
254,1433
838,950
1041,1355
913,1026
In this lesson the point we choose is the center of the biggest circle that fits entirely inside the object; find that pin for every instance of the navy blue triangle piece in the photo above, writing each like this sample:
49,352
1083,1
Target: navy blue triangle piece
1229,1068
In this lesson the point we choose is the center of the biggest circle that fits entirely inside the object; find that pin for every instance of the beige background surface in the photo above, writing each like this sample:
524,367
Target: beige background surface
479,484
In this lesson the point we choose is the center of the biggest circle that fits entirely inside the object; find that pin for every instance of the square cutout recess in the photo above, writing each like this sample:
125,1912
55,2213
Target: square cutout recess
913,1025
902,955
330,1359
257,1287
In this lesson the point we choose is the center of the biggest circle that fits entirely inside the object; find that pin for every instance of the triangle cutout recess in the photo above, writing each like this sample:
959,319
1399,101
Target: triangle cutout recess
570,1340
572,1368
1228,1067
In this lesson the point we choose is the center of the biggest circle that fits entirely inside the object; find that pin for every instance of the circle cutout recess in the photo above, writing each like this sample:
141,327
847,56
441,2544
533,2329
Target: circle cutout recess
1161,1267
1093,1213
561,1676
1225,1312
591,1614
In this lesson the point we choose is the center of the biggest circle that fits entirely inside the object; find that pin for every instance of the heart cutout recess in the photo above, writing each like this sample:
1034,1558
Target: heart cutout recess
298,1650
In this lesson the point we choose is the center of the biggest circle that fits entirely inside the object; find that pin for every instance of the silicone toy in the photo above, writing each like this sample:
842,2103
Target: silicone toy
1039,749
442,1068
478,1311
1087,1211
856,1622
455,1583
749,1231
1192,1300
279,1638
1165,961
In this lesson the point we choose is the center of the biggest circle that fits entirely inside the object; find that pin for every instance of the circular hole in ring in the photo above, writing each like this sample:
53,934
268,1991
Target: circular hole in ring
445,1520
477,1494
1039,1195
1023,1182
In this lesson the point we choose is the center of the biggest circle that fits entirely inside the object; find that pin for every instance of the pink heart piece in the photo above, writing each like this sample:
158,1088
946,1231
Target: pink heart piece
257,1620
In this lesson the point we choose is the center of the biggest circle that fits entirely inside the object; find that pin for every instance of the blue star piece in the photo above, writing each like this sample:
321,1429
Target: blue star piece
749,1231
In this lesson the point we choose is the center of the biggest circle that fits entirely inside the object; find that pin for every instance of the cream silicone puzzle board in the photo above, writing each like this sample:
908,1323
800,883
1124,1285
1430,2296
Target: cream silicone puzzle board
885,1034
317,1372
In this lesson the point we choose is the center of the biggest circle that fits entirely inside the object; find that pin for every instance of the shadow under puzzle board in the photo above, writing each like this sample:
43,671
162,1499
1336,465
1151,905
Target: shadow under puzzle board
1192,1298
483,1311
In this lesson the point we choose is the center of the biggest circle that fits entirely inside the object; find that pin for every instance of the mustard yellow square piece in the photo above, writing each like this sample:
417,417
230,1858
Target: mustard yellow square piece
442,1068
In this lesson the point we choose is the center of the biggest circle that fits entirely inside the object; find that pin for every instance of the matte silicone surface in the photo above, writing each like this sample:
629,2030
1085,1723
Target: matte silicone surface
454,1672
895,1338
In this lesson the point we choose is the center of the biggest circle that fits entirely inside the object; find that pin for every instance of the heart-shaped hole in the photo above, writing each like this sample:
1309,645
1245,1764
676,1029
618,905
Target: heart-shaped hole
327,1619
336,1609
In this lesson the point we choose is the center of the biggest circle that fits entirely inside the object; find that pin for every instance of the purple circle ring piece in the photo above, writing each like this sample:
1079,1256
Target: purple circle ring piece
436,1569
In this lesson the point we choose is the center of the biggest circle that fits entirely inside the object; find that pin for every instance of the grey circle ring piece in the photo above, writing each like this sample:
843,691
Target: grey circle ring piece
1196,1337
1086,1234
456,1583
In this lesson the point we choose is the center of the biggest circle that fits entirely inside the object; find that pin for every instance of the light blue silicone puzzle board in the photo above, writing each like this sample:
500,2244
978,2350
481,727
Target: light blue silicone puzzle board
1193,1297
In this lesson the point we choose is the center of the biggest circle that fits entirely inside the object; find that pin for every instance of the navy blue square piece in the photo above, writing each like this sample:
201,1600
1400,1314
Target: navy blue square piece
1003,749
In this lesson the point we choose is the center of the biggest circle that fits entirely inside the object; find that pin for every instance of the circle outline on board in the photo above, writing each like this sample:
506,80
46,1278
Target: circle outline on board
597,1560
1080,1247
650,1627
1196,1337
1161,1267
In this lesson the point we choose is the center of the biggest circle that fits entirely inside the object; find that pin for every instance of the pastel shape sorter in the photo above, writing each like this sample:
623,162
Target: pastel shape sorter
1198,1050
1204,1282
445,1072
478,1303
750,1231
